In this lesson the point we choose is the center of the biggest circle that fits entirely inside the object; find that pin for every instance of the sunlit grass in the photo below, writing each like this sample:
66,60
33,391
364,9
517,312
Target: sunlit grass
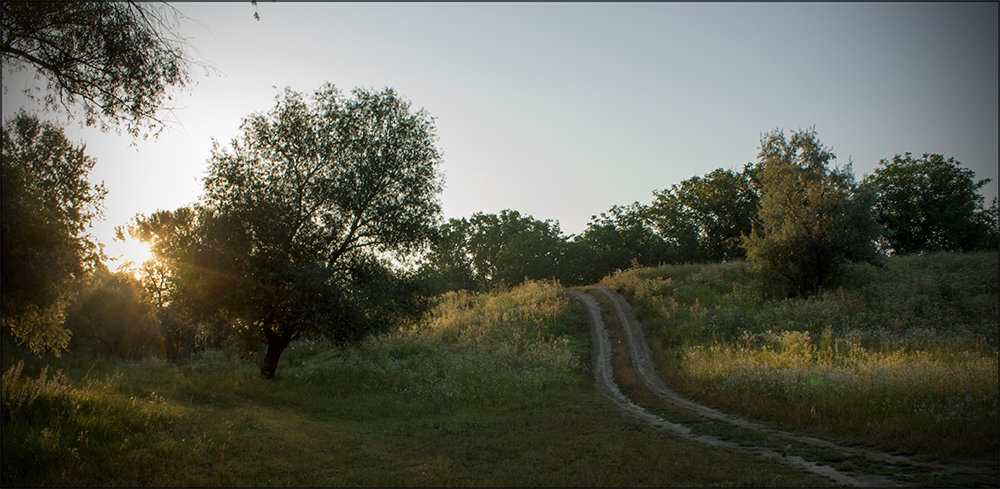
470,350
904,357
842,385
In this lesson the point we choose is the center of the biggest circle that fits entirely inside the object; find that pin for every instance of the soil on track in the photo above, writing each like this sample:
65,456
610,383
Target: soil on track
870,473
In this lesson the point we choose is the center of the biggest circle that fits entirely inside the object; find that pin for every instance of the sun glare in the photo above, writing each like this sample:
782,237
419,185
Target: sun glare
130,254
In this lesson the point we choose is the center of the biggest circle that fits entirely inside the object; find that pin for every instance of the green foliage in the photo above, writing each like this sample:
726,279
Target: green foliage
813,218
171,236
614,240
703,218
492,250
47,206
296,216
113,316
700,219
447,265
172,280
116,59
931,204
904,354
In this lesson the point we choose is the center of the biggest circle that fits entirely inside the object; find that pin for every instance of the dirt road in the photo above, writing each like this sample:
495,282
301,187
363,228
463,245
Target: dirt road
865,468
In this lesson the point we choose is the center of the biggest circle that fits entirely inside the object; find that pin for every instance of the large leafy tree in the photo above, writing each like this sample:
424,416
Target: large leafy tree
117,61
488,250
813,218
303,206
510,248
615,240
931,204
448,263
48,204
703,218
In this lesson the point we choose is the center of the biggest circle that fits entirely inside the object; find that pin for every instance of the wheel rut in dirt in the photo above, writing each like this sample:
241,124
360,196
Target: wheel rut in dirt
641,360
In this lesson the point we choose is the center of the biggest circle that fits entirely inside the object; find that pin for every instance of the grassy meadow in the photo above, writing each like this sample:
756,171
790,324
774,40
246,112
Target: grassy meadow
901,357
486,389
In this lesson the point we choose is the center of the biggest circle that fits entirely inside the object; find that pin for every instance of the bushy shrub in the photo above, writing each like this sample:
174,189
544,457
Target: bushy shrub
813,218
113,316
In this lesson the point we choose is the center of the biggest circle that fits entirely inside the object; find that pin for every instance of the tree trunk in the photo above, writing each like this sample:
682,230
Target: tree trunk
276,345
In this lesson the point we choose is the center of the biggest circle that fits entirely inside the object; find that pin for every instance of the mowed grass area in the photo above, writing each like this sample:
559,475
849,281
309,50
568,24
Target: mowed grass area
487,389
902,357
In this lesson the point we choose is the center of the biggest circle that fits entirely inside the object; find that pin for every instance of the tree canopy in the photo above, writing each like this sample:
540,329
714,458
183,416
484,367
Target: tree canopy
116,60
931,204
47,205
299,213
813,217
615,240
703,218
113,316
489,250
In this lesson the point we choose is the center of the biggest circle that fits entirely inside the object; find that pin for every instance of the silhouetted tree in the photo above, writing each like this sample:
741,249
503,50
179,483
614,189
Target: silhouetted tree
47,206
812,218
190,319
511,248
448,262
931,204
117,60
304,204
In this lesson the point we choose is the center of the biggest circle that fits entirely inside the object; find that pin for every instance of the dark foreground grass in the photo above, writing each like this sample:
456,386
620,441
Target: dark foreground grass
488,390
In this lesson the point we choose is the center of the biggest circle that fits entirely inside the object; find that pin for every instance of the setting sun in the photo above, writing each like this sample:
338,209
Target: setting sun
130,253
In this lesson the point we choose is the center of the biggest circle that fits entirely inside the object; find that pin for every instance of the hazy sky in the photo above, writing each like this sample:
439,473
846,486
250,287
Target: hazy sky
561,110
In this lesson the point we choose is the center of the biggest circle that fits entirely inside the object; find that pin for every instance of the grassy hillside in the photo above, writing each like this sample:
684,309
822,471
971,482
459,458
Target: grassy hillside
487,389
903,357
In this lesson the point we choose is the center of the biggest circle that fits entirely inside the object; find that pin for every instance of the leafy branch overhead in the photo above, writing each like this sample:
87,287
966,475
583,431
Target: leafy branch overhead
116,60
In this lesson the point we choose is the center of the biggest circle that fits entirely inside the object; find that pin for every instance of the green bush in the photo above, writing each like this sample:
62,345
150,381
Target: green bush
113,316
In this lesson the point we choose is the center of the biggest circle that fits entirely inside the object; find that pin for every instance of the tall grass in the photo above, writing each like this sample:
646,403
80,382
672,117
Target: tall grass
470,350
49,424
904,355
212,421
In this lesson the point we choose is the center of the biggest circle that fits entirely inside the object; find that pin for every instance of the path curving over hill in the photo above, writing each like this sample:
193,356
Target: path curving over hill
641,360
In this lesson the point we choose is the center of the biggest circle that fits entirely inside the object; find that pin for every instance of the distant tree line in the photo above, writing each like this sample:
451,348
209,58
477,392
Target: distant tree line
792,213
